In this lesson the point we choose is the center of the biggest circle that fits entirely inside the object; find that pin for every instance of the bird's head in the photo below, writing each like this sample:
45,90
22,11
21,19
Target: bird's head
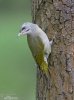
27,28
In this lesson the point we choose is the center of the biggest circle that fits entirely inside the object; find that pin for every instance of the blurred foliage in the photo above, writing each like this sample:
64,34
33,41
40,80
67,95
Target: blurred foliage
17,68
15,5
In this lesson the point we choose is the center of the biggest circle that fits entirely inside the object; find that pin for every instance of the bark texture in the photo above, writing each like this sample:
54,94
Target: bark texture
56,16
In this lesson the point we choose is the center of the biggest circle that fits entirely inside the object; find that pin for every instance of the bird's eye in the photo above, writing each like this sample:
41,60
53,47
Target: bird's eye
23,28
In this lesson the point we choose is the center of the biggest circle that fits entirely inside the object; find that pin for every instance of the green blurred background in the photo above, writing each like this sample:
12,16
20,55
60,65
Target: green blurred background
17,68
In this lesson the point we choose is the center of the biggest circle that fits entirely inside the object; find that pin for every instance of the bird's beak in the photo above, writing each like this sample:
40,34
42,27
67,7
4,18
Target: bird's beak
19,35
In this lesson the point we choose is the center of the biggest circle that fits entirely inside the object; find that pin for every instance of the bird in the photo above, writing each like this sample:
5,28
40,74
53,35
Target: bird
39,45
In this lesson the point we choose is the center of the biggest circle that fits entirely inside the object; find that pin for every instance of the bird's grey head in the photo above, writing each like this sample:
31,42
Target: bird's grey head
27,28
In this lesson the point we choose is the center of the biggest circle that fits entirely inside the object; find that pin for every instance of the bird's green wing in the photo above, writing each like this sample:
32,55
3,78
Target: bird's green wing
37,48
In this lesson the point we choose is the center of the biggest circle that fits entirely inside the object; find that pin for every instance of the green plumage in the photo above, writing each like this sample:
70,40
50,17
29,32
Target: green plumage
37,48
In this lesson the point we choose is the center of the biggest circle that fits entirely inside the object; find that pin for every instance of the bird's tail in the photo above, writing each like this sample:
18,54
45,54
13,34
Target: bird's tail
45,70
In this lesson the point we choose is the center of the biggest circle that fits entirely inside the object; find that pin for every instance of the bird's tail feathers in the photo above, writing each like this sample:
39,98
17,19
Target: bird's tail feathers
45,70
44,66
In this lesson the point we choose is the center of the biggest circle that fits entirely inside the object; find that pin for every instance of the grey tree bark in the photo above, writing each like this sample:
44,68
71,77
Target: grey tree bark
56,16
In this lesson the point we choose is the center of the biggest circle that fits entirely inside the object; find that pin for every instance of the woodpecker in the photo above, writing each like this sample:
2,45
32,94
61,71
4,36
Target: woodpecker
39,45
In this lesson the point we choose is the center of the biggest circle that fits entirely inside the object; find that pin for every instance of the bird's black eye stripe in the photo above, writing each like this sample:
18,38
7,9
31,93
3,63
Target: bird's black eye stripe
23,28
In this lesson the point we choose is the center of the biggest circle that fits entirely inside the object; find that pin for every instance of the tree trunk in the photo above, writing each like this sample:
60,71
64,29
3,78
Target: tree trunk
56,16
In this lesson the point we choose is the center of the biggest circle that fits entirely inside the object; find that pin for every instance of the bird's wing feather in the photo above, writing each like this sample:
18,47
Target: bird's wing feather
37,48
